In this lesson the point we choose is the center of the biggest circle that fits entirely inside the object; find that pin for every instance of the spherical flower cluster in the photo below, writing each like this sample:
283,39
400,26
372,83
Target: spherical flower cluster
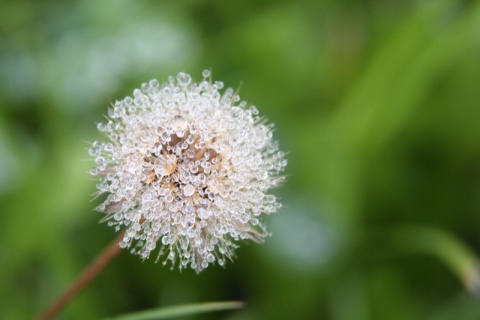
188,169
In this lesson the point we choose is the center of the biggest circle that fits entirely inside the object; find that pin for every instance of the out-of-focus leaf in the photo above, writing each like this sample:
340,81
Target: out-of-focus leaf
446,247
464,307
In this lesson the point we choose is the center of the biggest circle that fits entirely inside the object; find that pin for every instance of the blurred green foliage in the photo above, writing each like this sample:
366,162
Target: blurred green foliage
378,103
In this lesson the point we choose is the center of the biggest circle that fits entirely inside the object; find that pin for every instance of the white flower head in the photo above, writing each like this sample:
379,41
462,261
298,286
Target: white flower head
188,169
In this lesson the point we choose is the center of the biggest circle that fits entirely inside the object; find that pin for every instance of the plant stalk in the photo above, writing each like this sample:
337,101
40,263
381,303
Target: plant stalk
97,265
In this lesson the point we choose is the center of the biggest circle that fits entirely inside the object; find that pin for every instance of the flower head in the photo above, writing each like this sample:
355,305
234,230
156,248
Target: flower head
188,169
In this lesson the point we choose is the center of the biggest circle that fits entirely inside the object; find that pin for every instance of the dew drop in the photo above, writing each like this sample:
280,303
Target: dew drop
188,190
262,175
159,130
166,137
166,240
157,146
137,93
210,258
183,79
179,123
128,101
154,83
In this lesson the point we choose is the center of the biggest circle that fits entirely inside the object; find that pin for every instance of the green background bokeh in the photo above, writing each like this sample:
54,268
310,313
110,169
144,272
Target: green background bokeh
377,103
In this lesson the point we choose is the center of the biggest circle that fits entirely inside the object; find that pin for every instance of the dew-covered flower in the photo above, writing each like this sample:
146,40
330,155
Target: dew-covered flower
188,169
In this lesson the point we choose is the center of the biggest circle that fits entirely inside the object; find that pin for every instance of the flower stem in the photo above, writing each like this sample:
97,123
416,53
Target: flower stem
97,265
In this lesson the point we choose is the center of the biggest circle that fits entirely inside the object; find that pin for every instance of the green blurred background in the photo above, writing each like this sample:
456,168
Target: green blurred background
377,102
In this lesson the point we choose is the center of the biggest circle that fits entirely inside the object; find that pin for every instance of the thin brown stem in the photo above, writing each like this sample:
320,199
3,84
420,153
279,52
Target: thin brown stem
84,279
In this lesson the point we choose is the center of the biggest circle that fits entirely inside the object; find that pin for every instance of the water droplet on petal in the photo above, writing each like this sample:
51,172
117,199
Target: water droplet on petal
188,190
179,123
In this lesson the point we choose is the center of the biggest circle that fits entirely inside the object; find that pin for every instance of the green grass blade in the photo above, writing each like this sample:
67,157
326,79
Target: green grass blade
453,252
182,310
